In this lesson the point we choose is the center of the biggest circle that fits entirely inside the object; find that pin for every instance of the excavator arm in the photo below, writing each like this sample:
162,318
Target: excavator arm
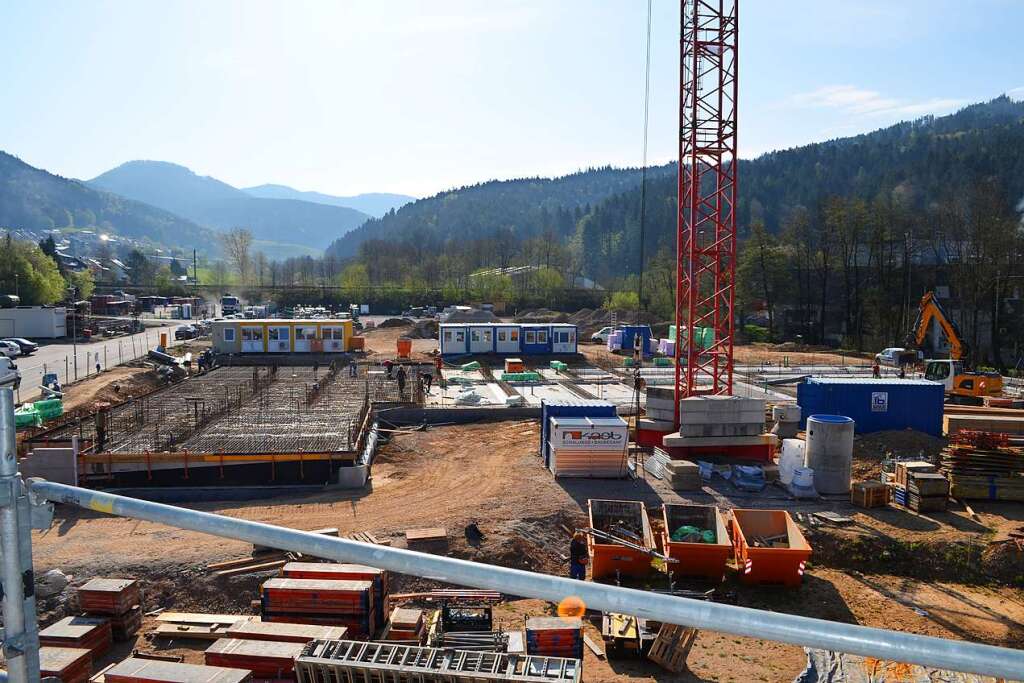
929,309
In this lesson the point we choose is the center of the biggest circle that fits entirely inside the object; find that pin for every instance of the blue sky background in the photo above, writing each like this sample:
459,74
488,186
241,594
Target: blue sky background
420,96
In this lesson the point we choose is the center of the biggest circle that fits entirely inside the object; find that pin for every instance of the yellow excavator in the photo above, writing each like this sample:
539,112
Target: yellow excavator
962,385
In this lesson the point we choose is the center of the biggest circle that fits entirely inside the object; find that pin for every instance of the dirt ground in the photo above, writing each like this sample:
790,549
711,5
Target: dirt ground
381,343
890,569
112,386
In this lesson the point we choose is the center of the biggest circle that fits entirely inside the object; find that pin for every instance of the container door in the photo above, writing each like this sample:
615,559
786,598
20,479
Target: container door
304,336
252,339
479,340
543,340
560,341
507,339
333,339
279,339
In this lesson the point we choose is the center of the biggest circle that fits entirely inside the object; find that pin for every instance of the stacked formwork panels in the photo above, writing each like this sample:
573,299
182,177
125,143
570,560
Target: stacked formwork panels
347,661
728,426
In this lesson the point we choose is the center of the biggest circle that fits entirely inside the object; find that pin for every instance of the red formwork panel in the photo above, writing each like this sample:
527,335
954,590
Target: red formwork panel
754,452
265,659
289,633
769,565
697,560
69,664
109,596
89,633
134,670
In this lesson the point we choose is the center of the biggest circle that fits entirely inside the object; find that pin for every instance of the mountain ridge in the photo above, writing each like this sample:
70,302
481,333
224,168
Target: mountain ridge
375,204
215,204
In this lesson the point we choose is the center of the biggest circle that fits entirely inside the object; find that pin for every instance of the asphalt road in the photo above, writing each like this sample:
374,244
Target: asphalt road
60,358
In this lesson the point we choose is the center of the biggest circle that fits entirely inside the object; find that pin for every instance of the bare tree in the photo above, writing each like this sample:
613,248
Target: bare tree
237,244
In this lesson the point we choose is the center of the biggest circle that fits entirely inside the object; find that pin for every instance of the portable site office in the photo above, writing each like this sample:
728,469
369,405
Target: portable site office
507,338
282,336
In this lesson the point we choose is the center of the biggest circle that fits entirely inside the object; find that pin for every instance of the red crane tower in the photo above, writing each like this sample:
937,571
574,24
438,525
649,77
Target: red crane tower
706,228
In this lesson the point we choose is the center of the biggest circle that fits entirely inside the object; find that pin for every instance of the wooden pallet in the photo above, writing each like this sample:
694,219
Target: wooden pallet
670,649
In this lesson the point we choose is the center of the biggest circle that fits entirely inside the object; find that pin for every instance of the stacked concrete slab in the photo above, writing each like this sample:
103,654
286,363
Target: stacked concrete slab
719,420
660,410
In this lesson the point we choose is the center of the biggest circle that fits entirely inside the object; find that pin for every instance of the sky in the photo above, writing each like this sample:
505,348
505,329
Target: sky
409,96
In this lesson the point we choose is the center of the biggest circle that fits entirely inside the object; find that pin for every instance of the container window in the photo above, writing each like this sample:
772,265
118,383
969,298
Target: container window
487,336
229,334
474,335
252,334
542,337
572,336
306,333
460,336
333,333
531,337
277,334
513,335
447,336
501,335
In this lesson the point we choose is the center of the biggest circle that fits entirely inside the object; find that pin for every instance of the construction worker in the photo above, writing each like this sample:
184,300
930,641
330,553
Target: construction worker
316,367
387,368
400,376
428,380
578,556
903,372
353,370
876,370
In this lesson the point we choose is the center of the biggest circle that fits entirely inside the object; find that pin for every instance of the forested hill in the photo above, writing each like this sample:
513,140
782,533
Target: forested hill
34,199
915,165
524,207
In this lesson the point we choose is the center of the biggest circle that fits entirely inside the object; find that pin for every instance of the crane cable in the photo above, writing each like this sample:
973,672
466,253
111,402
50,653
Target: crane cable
637,379
643,166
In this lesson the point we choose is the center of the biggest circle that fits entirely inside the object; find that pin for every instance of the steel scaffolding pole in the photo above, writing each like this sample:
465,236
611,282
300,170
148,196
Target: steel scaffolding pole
21,633
742,621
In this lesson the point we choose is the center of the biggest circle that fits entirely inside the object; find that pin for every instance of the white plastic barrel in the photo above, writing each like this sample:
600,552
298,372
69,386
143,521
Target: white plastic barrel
830,452
792,457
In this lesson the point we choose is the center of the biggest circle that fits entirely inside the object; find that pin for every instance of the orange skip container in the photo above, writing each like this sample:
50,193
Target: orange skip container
404,347
608,558
697,560
769,565
357,343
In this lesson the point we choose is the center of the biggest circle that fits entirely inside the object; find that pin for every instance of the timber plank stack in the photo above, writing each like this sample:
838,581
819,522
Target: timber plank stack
69,664
345,572
927,492
554,637
134,670
119,600
318,601
88,633
265,659
405,624
433,540
992,473
285,633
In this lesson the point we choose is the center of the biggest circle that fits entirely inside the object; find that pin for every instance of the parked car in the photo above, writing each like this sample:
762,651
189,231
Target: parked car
185,332
9,374
896,356
601,336
27,347
10,349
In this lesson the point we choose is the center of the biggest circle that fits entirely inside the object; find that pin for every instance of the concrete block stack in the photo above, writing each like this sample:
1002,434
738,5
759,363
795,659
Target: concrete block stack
660,410
719,421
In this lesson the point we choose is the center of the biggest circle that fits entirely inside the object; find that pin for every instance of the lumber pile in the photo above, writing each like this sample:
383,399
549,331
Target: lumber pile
87,633
195,626
554,637
249,629
405,623
986,471
117,600
318,601
869,494
683,475
69,664
331,571
432,540
989,421
135,670
927,492
265,659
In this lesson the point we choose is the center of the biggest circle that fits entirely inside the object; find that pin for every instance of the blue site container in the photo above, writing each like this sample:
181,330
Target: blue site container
629,333
875,404
569,408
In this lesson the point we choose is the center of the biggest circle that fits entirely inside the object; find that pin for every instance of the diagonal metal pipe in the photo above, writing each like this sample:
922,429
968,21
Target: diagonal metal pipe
743,621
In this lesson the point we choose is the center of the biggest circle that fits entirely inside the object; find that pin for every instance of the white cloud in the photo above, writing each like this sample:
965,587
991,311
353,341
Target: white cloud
1016,93
860,101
